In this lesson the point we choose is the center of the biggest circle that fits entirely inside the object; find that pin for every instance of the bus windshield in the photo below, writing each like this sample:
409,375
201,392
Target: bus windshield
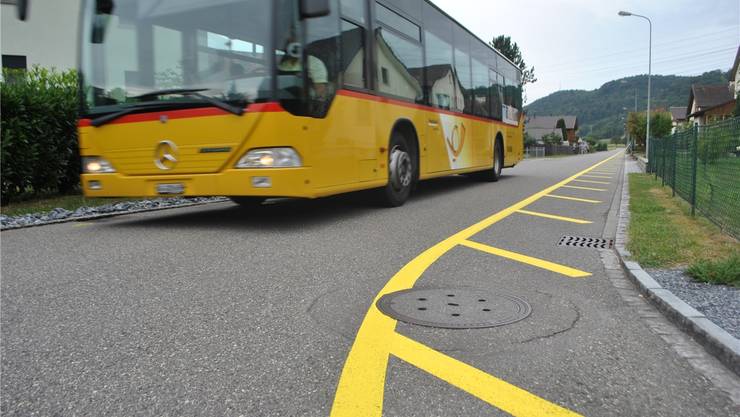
147,50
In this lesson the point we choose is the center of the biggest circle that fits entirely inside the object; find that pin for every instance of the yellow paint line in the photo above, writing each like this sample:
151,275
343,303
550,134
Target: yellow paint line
554,217
582,200
539,263
583,188
362,382
596,176
592,182
499,393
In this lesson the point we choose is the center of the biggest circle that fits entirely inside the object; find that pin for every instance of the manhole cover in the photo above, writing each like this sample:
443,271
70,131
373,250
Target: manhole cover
454,308
586,242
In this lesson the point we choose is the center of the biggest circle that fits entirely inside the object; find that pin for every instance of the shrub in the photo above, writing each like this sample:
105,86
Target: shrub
552,139
39,135
602,146
723,271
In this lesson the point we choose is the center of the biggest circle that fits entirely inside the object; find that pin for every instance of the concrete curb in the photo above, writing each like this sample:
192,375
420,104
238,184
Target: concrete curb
715,340
112,214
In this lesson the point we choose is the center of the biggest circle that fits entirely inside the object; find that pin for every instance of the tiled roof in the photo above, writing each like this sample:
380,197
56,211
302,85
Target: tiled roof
551,122
678,113
709,96
537,132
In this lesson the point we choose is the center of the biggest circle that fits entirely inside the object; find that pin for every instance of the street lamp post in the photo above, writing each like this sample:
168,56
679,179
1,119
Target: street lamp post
650,71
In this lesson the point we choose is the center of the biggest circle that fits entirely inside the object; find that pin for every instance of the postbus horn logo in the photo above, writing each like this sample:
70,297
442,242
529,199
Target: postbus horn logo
456,140
165,155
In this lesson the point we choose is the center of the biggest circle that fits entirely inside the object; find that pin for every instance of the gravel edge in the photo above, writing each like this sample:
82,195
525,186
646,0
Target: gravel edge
715,340
99,212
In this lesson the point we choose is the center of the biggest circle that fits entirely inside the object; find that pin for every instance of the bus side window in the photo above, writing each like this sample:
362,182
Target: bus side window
353,55
322,59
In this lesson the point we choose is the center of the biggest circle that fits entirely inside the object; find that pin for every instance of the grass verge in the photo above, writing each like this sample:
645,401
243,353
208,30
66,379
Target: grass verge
67,202
662,234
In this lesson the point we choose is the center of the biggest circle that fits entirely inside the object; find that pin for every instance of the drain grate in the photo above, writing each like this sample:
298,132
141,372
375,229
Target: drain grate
454,308
586,242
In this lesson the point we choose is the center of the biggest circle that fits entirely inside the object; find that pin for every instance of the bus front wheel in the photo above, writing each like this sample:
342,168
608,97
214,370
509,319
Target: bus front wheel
401,172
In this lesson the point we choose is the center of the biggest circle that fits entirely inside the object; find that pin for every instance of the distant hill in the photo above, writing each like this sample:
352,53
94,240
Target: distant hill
599,111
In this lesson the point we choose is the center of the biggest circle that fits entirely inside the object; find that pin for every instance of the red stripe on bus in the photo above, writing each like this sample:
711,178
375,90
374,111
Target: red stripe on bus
381,99
270,107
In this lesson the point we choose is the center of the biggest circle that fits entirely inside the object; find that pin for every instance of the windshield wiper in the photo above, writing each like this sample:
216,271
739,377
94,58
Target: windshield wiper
194,92
100,121
187,92
155,94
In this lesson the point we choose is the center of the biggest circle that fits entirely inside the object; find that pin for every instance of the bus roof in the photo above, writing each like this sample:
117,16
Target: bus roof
516,67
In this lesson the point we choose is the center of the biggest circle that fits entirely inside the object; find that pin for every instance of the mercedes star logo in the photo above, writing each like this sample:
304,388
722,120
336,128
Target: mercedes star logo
165,155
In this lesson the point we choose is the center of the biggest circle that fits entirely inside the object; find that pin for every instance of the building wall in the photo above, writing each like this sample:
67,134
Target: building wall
47,38
571,135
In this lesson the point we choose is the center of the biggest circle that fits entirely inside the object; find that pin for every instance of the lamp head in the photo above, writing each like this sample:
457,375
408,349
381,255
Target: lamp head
623,13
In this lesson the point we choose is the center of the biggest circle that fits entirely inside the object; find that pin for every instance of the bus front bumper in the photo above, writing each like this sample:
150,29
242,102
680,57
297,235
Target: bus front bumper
272,182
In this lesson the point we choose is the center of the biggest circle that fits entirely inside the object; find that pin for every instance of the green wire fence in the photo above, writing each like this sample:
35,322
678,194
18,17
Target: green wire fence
702,166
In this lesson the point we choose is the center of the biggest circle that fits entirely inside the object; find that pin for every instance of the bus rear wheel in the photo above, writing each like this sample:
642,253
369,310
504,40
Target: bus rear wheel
401,172
494,173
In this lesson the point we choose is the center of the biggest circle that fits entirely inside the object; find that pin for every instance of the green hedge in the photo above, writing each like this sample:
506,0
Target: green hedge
39,133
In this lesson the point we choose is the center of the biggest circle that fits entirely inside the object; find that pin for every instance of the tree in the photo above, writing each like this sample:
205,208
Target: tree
660,125
511,50
529,140
552,139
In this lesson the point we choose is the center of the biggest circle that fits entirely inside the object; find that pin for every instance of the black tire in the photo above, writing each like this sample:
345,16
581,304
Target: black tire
402,172
248,203
494,173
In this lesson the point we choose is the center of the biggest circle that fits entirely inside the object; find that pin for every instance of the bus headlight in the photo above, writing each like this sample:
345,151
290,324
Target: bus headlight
270,158
96,165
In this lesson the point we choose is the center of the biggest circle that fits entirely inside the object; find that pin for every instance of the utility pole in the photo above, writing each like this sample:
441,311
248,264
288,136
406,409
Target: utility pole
650,73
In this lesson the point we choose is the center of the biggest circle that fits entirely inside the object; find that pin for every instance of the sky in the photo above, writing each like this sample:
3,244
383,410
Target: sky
582,44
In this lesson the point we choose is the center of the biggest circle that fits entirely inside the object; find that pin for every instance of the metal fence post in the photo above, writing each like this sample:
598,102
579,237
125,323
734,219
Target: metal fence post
673,164
694,157
655,153
662,163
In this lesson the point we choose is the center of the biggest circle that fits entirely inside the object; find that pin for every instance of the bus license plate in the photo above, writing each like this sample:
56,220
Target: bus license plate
177,188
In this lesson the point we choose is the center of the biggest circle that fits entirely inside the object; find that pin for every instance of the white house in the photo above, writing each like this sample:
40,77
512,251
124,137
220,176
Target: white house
47,38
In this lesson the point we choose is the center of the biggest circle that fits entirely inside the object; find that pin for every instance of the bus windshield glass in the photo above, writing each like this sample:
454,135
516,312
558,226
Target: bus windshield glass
148,50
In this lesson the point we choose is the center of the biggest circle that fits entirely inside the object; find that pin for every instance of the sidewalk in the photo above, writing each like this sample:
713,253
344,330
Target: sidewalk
708,313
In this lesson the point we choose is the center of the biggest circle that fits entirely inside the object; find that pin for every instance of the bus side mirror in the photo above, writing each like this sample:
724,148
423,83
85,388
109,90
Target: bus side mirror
103,10
22,9
314,8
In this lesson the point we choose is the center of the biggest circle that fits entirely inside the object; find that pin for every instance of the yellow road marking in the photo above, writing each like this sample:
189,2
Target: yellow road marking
554,217
603,172
583,188
591,182
582,200
494,391
597,176
362,382
539,263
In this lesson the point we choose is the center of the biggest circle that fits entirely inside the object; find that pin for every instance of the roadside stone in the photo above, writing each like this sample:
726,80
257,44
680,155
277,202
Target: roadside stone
719,303
60,214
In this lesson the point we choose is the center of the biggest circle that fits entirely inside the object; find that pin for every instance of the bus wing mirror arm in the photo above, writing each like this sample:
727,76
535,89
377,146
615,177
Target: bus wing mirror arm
314,8
22,9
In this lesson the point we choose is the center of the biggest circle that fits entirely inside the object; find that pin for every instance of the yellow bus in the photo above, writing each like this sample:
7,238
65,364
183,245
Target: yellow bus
256,99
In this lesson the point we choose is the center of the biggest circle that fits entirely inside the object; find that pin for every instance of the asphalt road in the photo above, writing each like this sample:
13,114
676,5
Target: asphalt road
215,311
